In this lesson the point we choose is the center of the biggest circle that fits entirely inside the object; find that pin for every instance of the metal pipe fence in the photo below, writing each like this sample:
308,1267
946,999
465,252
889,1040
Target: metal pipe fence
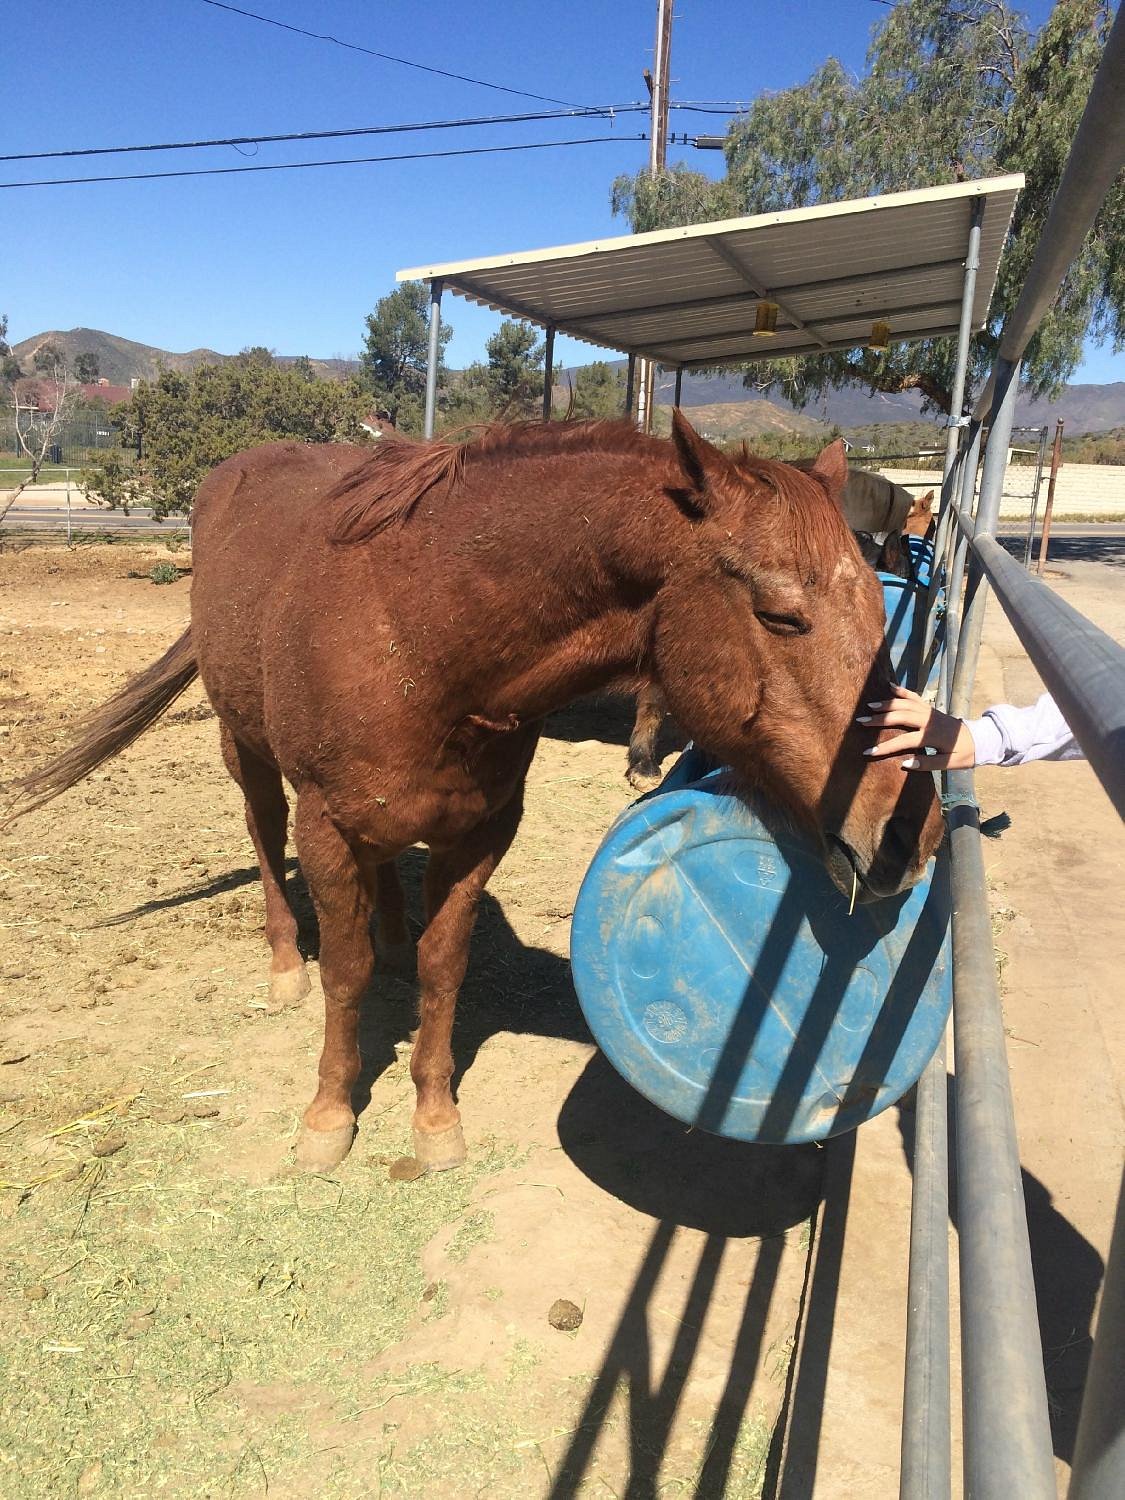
1007,1440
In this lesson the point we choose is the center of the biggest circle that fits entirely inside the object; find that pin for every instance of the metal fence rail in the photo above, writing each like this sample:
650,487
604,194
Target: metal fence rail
1007,1441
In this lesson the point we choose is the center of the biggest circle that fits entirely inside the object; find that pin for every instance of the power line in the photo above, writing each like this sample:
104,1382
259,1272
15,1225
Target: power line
607,111
404,62
599,111
714,107
344,161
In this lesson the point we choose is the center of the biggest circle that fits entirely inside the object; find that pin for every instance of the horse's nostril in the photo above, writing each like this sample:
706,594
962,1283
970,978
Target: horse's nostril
897,854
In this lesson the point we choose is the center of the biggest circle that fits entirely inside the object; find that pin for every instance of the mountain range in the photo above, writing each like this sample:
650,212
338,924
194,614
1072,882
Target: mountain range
1084,408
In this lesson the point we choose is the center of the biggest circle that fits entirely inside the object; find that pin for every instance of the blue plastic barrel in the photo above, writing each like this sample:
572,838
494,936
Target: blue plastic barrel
905,603
723,975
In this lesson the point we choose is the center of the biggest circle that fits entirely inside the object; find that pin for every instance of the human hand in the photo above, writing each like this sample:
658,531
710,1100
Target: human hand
925,727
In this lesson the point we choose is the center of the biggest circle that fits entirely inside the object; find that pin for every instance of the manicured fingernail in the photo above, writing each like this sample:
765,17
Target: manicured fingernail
875,705
910,763
864,719
871,751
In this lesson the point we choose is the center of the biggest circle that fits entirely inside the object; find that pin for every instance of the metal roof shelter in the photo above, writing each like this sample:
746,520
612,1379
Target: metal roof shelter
688,297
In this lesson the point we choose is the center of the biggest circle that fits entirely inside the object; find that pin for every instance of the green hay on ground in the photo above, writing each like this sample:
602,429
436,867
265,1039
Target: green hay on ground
177,1301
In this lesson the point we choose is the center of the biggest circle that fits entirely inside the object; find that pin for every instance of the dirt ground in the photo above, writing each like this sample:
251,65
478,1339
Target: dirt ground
182,1315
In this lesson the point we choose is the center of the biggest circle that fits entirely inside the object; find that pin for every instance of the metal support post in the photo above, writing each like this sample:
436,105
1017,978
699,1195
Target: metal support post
955,567
433,358
548,372
1056,464
1007,375
630,383
643,382
955,448
679,385
925,1468
1099,1453
950,562
954,428
1004,1395
964,335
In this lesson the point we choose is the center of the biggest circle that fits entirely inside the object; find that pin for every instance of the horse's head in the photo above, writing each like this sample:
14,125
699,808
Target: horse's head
769,641
920,516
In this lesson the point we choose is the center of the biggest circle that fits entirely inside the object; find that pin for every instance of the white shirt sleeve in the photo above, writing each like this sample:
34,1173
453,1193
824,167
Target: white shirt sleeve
1007,736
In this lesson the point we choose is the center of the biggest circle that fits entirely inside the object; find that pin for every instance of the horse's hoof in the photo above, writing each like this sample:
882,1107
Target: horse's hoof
323,1150
643,778
398,959
442,1149
288,988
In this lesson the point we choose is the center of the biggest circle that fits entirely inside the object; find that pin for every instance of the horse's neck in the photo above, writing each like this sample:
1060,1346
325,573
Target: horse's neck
575,610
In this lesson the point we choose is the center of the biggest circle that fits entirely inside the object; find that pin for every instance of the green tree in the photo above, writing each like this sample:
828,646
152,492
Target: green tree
393,361
599,391
954,89
302,367
186,423
515,368
50,360
256,354
9,365
86,367
470,398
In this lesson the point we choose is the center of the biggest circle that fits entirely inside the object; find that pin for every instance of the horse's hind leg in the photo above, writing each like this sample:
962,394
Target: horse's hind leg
342,885
394,944
643,768
267,814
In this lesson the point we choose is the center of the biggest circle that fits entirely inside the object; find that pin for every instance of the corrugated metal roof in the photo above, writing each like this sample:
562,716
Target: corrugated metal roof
688,296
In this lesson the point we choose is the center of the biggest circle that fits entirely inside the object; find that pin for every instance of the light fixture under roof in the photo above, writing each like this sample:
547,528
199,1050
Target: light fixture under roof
765,321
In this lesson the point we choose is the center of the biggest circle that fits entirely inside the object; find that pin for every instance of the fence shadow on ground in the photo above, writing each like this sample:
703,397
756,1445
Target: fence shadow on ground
1068,1275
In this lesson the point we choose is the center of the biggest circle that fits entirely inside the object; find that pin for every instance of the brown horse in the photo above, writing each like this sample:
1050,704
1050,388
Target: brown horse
387,630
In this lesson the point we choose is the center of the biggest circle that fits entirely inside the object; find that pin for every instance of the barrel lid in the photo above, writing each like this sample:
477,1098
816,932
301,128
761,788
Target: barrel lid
723,976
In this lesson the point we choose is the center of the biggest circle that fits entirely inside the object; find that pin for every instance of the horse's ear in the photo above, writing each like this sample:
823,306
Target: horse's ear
926,502
701,462
831,467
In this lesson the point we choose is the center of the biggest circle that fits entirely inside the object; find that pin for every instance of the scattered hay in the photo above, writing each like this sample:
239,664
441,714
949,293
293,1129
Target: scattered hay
174,1301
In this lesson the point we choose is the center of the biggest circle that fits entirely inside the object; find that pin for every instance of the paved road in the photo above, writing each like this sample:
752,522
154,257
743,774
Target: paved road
1073,542
84,518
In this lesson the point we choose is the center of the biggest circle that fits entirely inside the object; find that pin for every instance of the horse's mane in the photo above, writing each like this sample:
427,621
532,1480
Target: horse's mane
386,487
818,522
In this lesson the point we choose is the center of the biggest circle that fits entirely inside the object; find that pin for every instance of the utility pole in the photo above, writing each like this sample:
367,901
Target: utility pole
657,82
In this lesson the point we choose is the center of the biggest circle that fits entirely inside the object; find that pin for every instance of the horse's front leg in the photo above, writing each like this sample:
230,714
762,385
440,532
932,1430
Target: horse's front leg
341,882
643,769
455,879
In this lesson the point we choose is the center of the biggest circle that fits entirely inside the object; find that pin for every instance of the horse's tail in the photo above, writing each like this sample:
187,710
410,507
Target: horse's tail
114,725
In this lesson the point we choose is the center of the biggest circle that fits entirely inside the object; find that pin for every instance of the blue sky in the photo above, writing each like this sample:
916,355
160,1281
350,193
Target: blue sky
294,260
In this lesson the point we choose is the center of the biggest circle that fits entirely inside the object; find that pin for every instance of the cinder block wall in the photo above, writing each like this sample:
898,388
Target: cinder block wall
1081,489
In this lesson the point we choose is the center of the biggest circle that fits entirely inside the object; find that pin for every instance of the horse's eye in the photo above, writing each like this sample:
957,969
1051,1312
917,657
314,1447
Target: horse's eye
783,624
